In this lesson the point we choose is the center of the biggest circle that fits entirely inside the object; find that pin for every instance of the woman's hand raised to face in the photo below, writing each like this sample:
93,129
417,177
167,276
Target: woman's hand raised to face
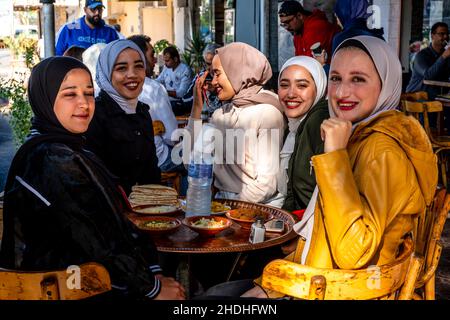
198,96
335,134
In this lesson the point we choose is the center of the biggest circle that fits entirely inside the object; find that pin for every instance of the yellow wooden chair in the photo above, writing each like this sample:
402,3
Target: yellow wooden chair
54,285
440,143
428,244
392,281
172,179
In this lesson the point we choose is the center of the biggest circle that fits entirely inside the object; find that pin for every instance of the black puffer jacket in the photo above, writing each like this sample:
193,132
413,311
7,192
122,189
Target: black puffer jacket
124,142
60,211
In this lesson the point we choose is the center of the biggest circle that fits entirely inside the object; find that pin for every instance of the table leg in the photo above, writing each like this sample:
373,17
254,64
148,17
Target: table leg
235,263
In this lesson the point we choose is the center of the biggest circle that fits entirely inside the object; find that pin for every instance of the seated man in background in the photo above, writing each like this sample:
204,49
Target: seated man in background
432,63
176,78
212,101
307,28
155,96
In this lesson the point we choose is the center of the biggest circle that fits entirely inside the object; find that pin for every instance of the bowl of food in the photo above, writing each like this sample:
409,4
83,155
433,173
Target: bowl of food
157,225
217,208
246,216
207,225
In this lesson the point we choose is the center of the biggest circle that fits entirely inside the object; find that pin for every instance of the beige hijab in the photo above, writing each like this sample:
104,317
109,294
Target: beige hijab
390,71
247,70
388,67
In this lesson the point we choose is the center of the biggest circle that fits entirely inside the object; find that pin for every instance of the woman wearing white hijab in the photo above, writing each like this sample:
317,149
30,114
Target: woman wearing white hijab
121,132
301,86
378,172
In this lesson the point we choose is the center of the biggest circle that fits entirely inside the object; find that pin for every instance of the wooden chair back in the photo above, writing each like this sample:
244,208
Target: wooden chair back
158,128
394,280
424,107
72,284
429,244
415,96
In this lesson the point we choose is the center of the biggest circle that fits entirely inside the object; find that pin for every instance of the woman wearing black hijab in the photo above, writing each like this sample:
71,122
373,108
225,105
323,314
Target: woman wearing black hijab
62,207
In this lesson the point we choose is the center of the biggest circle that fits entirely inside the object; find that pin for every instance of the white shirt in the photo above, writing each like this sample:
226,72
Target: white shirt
155,96
177,80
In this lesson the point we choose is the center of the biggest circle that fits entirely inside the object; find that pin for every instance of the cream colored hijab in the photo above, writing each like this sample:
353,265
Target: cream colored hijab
388,67
320,80
247,70
390,71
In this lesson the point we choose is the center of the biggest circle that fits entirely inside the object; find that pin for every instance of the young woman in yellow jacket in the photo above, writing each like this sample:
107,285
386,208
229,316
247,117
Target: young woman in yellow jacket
377,173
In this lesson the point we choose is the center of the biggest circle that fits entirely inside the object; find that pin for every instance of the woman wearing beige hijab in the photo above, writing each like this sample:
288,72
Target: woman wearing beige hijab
250,122
378,172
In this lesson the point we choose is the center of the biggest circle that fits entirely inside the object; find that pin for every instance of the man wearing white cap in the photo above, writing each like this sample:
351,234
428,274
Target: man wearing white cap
85,31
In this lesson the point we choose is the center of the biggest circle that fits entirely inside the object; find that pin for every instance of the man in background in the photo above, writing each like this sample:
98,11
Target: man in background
307,28
432,63
176,78
85,31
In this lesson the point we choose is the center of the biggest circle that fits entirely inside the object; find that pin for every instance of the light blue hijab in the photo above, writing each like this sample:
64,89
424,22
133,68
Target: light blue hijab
105,65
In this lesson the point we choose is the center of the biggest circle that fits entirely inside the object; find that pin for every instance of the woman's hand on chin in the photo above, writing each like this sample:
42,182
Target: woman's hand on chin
335,134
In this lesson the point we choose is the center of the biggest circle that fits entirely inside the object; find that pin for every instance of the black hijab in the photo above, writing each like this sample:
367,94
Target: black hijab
43,87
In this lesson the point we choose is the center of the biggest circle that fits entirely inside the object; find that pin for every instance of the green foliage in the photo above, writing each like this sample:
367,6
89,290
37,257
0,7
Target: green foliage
194,50
186,57
21,46
14,90
161,45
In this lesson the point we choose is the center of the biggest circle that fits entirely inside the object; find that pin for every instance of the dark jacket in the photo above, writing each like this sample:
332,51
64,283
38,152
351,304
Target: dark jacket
124,142
428,65
59,211
301,178
357,27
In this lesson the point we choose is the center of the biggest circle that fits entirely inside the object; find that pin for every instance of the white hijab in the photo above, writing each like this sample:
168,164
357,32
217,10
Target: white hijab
320,80
390,71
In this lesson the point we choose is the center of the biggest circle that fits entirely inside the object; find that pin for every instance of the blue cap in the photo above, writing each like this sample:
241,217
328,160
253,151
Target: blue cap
92,4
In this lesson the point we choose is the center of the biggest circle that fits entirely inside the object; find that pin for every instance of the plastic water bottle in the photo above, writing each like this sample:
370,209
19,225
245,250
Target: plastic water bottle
200,171
198,198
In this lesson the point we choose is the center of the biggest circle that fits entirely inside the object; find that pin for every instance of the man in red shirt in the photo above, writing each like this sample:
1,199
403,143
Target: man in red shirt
307,28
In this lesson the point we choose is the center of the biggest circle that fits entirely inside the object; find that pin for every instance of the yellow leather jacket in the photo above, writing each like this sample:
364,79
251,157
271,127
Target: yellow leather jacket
371,193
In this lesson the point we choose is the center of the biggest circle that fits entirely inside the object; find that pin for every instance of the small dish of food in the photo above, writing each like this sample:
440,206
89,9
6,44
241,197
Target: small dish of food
156,209
246,216
217,208
157,225
207,225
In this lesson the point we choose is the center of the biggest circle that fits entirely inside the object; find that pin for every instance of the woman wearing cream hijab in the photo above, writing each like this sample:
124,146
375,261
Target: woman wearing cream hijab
239,72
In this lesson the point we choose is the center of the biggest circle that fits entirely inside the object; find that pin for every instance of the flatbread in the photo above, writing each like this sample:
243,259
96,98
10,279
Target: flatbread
153,194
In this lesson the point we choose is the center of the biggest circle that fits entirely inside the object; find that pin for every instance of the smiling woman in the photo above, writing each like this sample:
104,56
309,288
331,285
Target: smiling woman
121,132
62,206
